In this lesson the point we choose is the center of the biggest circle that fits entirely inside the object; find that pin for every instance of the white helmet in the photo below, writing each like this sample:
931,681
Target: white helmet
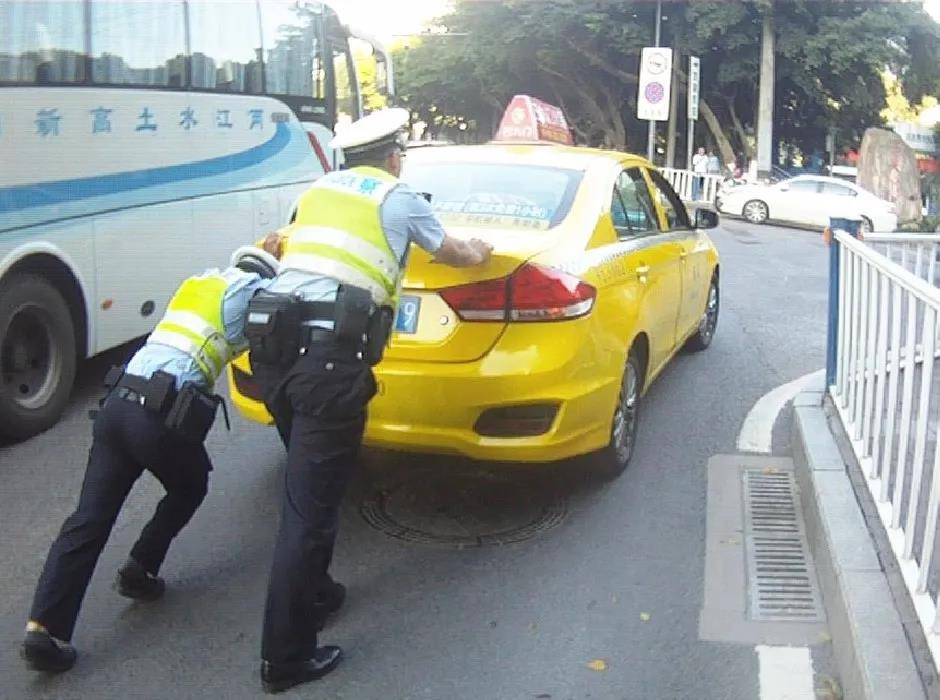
254,259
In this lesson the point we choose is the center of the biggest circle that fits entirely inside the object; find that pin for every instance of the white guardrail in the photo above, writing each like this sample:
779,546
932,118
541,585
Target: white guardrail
881,373
682,183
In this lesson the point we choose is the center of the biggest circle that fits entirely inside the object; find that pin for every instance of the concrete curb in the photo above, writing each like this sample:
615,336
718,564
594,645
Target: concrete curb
871,648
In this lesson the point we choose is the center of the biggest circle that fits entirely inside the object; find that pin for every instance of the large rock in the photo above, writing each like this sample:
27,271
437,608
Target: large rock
887,166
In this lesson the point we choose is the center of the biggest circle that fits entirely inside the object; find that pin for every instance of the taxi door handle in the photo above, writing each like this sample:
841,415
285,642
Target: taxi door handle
642,273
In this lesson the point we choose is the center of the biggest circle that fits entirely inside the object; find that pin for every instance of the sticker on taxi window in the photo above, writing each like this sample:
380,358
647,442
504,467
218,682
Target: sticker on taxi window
463,213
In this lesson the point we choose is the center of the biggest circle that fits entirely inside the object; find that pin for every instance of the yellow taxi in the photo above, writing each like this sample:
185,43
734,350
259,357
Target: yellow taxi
597,279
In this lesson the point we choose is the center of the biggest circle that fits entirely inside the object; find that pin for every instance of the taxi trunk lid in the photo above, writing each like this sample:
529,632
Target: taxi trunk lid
451,314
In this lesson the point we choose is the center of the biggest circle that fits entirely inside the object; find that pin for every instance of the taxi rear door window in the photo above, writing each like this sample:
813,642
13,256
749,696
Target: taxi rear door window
677,218
635,208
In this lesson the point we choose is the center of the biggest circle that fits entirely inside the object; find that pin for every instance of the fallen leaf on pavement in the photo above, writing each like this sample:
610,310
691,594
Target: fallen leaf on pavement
597,665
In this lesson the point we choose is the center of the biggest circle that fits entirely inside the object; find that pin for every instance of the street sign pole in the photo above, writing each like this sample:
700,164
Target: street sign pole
692,114
651,138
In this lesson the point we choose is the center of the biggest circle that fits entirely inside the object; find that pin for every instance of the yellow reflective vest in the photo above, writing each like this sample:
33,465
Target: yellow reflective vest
193,323
338,233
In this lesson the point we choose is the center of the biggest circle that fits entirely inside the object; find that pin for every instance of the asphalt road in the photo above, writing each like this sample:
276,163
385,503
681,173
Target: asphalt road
613,573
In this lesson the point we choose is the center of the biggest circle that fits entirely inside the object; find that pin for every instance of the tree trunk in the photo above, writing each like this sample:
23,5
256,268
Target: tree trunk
724,145
765,97
739,130
615,116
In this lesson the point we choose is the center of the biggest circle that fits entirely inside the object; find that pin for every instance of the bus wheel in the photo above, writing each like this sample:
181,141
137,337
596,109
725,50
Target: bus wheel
37,356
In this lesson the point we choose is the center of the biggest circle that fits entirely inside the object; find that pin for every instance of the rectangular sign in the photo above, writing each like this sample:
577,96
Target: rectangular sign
655,81
920,138
693,86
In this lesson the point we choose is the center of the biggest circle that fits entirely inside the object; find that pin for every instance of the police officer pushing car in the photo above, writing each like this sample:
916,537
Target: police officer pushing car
155,417
314,335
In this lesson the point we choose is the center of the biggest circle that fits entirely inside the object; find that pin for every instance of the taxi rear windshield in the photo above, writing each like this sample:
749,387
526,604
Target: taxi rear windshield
495,194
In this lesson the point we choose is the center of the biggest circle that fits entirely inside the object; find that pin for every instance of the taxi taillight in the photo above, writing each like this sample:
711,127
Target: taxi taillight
531,293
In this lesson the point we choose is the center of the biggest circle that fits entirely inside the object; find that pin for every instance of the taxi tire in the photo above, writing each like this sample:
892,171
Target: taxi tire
703,336
44,328
610,461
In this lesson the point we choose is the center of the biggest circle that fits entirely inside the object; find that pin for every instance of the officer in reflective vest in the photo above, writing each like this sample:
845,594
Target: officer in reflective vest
341,265
155,417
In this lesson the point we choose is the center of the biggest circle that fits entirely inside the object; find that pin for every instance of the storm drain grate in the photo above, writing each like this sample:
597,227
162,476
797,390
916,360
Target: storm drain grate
781,578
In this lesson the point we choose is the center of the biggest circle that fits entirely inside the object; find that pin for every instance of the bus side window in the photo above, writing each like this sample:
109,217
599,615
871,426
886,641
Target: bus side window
226,46
293,50
43,42
138,43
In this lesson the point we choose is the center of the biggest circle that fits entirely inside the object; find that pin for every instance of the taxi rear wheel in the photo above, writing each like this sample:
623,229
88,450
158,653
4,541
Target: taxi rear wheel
705,332
613,459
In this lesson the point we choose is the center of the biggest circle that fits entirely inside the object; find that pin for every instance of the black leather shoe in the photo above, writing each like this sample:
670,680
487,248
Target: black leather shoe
279,677
43,653
133,581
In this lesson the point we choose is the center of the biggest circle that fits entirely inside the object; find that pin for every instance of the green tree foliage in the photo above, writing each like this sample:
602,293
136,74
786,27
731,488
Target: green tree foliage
584,54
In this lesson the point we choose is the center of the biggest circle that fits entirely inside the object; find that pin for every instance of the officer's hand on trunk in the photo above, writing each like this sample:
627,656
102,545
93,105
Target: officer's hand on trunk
459,253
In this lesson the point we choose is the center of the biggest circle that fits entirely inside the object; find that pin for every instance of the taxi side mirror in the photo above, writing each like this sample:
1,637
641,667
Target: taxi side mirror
706,218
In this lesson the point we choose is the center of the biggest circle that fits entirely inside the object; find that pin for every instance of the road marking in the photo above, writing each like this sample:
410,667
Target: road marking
757,431
786,673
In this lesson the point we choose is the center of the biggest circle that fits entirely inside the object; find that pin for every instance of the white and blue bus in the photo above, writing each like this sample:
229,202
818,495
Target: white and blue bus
141,141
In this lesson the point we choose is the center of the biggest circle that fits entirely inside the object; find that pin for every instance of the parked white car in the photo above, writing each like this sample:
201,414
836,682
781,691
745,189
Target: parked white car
808,200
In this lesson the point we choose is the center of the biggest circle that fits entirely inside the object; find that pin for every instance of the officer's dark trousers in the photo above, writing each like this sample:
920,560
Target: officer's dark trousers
127,440
320,403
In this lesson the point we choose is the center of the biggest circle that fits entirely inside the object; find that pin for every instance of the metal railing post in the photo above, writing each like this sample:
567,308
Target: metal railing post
833,316
851,227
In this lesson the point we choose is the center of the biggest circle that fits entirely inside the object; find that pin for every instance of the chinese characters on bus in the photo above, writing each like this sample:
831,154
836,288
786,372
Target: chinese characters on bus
50,122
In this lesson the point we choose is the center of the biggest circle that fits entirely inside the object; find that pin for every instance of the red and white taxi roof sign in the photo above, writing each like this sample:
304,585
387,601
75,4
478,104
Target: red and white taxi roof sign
529,119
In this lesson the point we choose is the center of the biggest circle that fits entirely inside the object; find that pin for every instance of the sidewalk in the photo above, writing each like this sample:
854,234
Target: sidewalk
879,645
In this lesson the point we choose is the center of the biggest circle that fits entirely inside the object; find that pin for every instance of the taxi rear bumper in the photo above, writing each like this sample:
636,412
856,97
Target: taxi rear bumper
543,393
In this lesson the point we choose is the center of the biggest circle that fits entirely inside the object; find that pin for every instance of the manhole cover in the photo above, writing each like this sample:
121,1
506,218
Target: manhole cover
463,510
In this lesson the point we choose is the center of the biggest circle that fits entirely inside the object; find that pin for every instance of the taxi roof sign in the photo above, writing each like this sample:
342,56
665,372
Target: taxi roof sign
529,119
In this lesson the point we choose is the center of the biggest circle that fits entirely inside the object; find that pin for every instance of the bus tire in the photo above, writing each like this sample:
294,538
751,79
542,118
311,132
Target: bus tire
37,356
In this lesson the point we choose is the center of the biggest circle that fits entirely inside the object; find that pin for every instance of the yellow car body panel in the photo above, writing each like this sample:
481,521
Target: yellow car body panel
434,384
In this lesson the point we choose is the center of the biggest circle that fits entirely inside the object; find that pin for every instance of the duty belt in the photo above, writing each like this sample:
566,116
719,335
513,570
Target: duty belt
133,388
317,310
311,335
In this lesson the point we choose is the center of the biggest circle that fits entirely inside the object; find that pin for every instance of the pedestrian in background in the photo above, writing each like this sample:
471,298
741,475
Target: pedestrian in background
155,418
714,165
699,170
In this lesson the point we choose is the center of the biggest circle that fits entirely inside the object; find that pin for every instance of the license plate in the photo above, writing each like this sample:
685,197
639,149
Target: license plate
408,309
